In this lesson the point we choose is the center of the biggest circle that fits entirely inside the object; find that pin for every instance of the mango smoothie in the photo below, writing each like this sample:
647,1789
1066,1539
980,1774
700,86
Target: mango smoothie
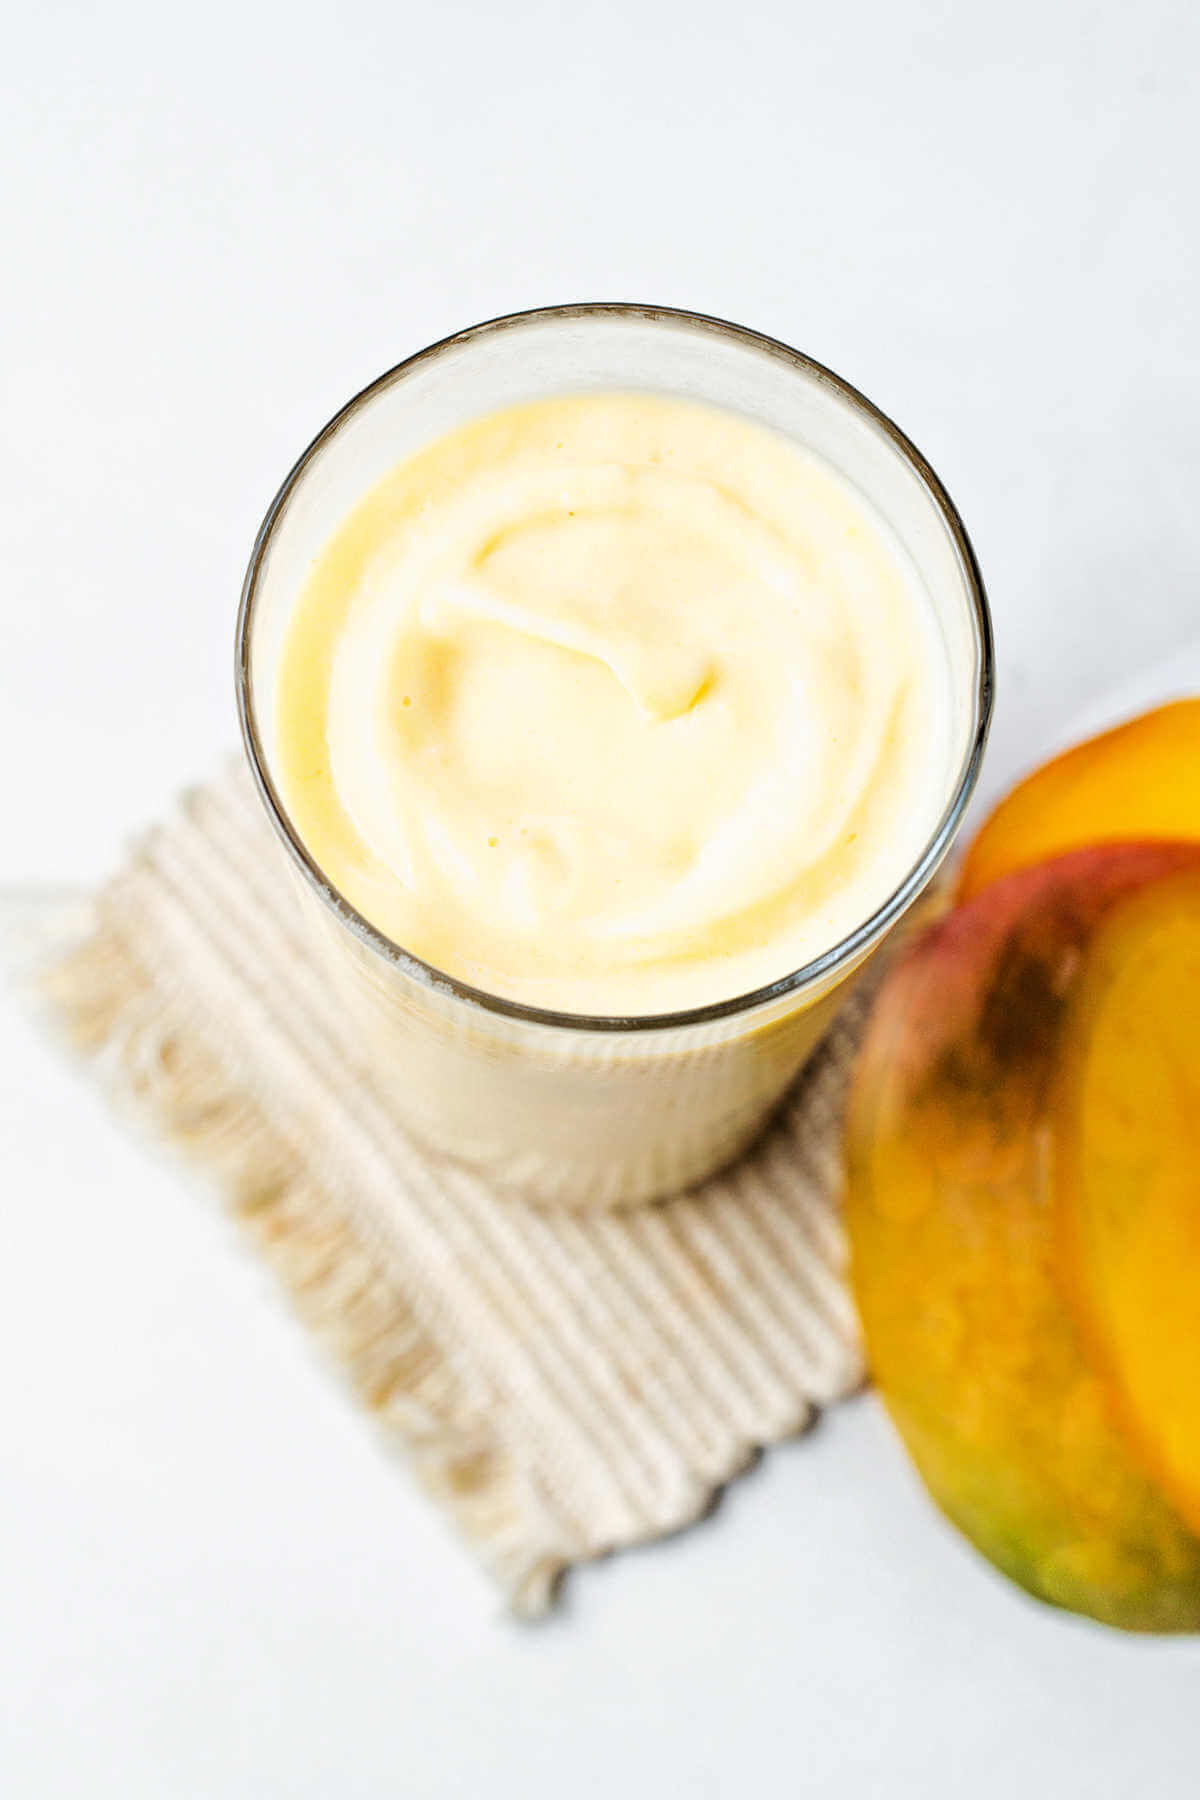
615,679
614,704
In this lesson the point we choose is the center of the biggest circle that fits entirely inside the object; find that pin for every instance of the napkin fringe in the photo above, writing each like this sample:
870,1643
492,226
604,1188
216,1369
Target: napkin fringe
125,1019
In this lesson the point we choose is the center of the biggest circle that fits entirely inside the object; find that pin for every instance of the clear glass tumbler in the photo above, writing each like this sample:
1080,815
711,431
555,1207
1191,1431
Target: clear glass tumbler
565,1109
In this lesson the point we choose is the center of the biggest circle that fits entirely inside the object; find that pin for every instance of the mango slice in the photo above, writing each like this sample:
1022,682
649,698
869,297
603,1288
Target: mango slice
1138,781
955,1259
1127,1171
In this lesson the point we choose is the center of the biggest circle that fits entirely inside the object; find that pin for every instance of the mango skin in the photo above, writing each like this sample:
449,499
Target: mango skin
1140,781
970,1339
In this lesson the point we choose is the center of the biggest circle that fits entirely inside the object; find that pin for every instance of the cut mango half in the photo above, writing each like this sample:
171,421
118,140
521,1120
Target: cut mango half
1127,1171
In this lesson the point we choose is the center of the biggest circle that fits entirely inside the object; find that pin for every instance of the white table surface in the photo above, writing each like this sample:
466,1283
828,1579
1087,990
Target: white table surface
218,222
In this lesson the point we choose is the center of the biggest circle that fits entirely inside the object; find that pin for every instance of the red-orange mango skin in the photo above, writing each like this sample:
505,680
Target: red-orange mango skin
969,1338
1139,781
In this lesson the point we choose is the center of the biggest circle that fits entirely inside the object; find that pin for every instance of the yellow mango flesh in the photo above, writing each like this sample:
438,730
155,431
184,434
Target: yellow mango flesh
1127,1172
1136,782
954,1256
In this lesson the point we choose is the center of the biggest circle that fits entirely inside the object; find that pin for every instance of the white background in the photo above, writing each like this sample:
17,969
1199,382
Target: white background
217,222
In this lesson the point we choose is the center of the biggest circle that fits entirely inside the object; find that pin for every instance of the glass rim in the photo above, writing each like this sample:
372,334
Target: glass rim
848,949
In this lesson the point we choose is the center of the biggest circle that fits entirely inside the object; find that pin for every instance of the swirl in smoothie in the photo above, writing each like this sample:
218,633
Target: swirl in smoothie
614,704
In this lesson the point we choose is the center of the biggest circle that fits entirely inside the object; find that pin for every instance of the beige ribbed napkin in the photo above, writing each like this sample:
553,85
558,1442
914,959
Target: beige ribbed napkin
565,1384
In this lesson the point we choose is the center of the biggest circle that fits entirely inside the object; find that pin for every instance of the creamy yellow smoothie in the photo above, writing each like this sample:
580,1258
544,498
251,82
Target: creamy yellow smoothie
614,704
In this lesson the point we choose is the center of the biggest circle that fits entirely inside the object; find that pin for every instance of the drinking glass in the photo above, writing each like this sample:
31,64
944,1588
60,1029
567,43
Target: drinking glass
570,1109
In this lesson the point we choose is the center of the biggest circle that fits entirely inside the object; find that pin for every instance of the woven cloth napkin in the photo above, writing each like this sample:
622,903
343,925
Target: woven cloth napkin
565,1384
